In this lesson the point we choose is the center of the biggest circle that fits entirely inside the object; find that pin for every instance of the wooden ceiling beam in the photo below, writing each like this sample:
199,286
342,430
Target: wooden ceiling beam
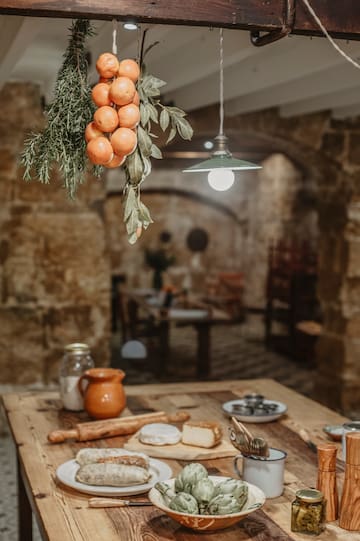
340,17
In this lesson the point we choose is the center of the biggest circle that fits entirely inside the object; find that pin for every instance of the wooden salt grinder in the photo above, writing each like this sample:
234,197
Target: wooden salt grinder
350,500
326,480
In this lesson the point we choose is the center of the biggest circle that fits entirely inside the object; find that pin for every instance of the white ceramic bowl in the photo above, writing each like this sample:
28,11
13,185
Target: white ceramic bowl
256,499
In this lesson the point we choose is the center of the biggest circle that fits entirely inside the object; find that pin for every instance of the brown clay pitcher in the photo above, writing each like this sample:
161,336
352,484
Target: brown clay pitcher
104,397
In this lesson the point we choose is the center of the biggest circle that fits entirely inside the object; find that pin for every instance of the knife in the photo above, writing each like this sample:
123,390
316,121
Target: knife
115,502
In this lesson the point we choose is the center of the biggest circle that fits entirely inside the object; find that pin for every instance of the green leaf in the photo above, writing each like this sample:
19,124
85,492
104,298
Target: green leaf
144,113
154,115
132,222
171,135
176,111
144,214
164,119
156,152
135,167
132,238
130,204
184,128
144,142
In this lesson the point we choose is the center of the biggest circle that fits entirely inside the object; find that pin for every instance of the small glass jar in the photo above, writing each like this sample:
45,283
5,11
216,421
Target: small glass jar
76,360
308,512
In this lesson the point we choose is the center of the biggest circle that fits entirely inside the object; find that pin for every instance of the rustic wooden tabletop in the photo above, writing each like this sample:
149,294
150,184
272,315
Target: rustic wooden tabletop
63,513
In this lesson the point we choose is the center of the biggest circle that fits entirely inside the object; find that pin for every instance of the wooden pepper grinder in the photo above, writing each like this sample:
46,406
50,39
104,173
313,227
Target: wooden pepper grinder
326,480
350,501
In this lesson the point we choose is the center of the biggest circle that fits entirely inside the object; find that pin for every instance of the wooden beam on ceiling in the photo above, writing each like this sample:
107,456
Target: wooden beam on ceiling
340,17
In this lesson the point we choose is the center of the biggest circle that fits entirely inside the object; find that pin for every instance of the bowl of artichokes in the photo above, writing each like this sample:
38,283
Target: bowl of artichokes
206,502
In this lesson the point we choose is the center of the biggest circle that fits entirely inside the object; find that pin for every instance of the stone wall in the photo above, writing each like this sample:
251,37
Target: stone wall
328,151
241,223
54,286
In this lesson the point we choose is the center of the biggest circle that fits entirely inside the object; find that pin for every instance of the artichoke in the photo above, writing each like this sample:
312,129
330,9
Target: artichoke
235,487
167,493
189,476
203,492
223,504
184,503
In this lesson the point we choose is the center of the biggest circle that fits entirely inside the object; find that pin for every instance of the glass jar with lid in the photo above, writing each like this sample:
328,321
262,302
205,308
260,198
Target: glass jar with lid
76,360
308,512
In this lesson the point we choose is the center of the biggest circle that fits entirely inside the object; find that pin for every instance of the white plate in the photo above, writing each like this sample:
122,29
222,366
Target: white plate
158,469
252,418
187,313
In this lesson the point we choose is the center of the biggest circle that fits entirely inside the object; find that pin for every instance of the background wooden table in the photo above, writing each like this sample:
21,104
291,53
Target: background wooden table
163,318
63,514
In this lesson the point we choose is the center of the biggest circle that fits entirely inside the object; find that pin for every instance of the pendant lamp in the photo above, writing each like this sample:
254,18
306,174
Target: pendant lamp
221,163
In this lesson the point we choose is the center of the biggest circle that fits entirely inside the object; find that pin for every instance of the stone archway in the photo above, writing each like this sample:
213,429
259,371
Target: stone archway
327,151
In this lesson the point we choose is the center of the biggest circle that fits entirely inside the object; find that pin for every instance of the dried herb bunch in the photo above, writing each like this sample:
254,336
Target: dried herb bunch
138,165
62,141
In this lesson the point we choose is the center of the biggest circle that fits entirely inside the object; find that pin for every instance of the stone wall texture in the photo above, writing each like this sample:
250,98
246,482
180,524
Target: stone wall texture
328,152
56,257
54,286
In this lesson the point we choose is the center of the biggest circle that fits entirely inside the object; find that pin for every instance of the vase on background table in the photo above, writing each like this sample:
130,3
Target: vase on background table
157,281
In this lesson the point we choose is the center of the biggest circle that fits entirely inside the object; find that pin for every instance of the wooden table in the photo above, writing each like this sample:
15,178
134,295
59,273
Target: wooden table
164,318
63,514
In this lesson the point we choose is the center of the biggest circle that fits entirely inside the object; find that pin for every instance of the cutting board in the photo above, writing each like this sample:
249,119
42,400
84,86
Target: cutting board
179,451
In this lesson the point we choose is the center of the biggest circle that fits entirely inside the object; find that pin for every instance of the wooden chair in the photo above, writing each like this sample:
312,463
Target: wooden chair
225,290
291,293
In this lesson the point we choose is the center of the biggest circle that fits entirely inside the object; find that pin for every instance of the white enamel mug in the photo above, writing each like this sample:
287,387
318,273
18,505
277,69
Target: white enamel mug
265,473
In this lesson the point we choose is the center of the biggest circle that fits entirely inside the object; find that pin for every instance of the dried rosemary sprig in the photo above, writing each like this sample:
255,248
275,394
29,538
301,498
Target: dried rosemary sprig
62,140
138,164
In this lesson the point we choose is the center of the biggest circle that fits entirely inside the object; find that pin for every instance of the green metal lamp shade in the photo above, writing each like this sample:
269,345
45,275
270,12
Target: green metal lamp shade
221,158
222,162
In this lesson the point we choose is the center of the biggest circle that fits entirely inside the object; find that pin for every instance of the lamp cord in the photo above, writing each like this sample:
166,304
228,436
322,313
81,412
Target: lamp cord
221,47
332,41
114,36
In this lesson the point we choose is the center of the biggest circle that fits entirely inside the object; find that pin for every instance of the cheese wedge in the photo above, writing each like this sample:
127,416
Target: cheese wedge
159,434
201,434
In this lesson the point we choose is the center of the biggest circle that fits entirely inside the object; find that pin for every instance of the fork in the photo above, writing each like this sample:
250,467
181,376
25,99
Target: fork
245,442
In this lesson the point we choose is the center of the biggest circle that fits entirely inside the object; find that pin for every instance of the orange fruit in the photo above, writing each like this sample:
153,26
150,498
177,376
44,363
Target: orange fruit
107,65
92,131
136,99
105,80
122,91
123,141
116,161
106,119
99,151
129,68
129,116
100,94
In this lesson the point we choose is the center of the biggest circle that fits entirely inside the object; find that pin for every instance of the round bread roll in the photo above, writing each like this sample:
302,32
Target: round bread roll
159,434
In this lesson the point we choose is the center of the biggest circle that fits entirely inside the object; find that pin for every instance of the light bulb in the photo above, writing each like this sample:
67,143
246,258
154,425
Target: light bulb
130,26
221,179
209,145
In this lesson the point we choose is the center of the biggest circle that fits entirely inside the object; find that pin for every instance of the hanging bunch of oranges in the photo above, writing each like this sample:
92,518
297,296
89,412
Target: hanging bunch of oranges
111,136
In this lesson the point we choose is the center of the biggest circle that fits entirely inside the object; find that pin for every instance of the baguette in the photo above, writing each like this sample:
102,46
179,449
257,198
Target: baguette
108,455
113,475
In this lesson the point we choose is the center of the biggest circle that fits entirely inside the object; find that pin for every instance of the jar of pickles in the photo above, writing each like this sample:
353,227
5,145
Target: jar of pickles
308,512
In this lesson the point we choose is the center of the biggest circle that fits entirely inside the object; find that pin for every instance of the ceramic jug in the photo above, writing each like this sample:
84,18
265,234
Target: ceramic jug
104,396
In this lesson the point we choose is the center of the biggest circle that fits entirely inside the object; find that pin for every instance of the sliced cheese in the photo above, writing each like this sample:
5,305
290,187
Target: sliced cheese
201,434
159,434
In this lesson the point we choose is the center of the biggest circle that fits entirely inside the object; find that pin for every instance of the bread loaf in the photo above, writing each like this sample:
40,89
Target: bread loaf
113,475
201,434
114,456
